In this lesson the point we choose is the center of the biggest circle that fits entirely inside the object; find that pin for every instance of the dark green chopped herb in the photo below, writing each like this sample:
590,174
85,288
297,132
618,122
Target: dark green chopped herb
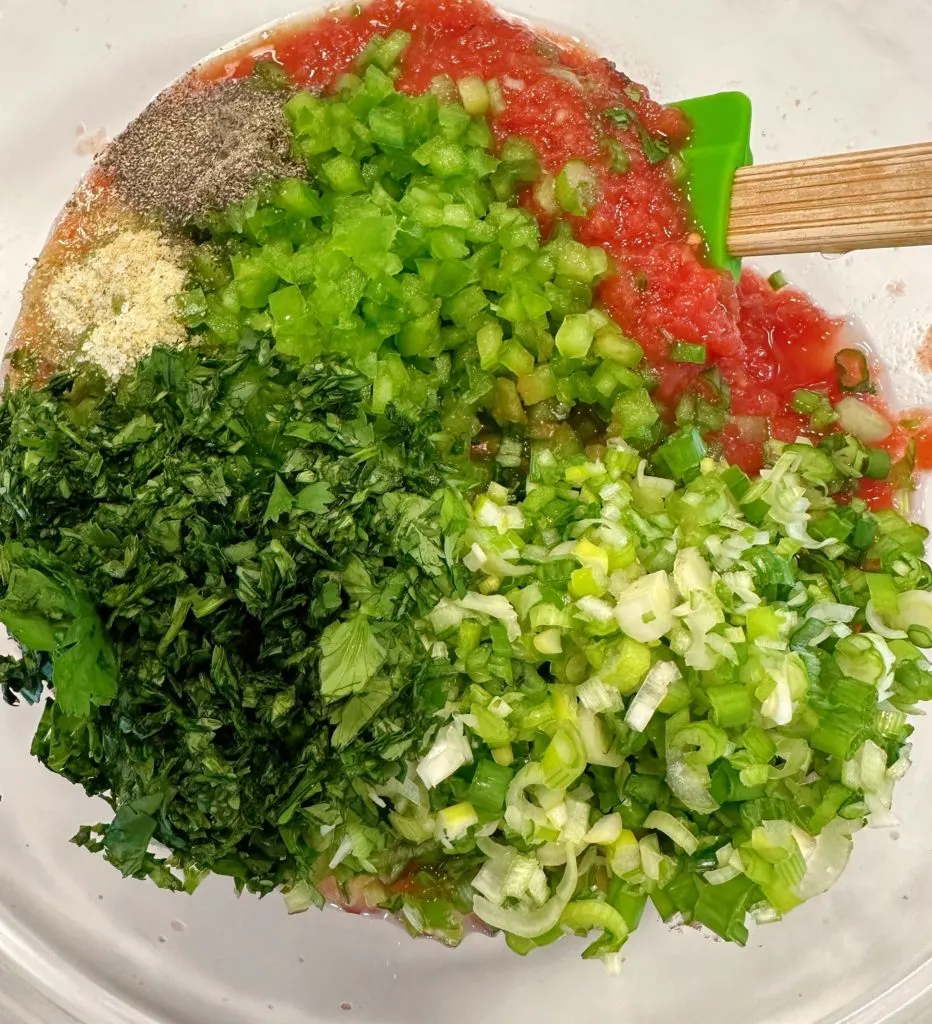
656,150
252,554
618,159
620,116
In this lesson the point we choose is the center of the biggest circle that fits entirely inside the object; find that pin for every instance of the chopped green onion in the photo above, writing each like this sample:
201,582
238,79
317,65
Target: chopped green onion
650,695
878,464
586,915
731,705
545,195
531,924
576,188
736,480
883,594
454,822
414,828
837,734
856,417
722,908
664,822
564,760
860,657
816,406
686,352
681,453
449,753
921,636
853,371
489,786
807,401
777,280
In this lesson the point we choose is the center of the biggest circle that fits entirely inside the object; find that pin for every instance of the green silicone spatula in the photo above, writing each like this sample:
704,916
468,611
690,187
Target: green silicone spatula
720,143
866,200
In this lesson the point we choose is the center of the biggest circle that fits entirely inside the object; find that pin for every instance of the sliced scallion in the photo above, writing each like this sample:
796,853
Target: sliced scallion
853,370
688,352
878,464
576,188
856,417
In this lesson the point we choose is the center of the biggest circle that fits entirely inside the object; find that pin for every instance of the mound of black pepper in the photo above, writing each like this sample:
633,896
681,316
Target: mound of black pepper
199,147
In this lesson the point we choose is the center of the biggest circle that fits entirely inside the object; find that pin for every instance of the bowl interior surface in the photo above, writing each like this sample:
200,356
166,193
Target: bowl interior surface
79,944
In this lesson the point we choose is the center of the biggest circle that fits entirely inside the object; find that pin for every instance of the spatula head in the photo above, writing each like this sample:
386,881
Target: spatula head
720,143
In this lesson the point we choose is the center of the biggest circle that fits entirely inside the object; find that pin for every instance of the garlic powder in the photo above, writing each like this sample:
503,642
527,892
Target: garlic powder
119,303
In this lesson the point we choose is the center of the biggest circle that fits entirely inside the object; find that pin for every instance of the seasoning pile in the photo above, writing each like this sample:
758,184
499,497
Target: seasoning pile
119,303
194,150
199,148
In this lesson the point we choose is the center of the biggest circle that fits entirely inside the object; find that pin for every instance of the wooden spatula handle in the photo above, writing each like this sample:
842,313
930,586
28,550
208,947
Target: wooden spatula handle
866,200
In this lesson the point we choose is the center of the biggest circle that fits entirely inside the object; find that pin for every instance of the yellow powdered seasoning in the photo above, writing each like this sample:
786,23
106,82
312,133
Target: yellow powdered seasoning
119,303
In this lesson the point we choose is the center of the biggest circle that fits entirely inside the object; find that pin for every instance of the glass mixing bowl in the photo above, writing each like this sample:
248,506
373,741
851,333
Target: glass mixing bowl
79,944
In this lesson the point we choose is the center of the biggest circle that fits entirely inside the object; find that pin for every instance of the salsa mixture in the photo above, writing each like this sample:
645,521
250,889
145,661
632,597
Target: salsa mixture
398,511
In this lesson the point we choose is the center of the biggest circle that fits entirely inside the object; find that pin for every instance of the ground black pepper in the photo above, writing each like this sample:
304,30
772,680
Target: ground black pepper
199,147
